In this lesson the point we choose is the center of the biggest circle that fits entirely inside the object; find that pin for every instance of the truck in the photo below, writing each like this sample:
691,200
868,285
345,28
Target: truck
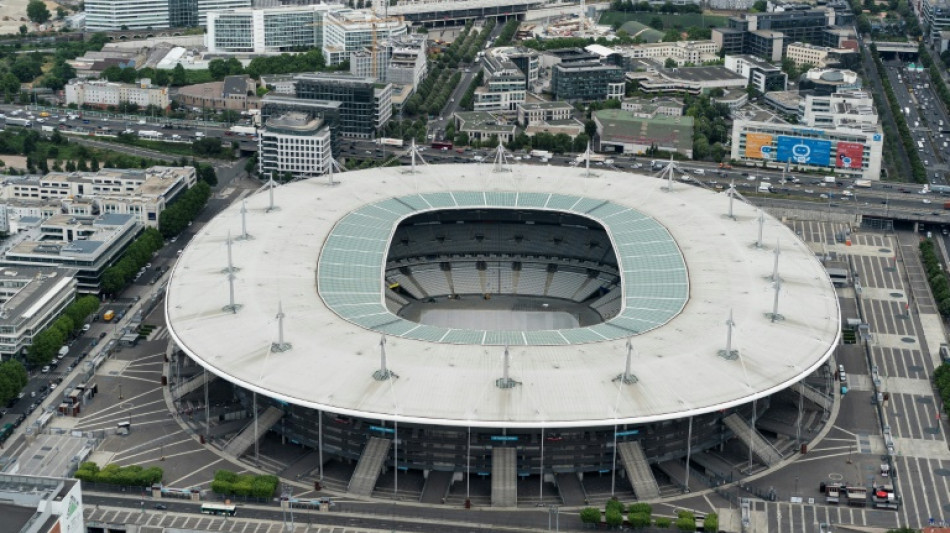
48,128
388,141
108,315
150,134
829,179
765,187
540,153
16,121
247,131
864,184
594,158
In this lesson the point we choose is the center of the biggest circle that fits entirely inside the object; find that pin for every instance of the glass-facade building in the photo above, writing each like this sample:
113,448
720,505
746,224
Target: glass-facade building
360,102
587,81
264,31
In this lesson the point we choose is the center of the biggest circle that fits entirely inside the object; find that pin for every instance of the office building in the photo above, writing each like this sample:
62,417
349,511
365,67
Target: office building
766,44
101,93
816,56
32,504
330,112
629,133
853,151
682,52
366,104
935,15
30,299
537,112
504,86
294,145
693,80
88,244
116,15
143,194
587,81
841,110
484,126
825,81
653,107
266,31
346,31
400,61
761,75
767,34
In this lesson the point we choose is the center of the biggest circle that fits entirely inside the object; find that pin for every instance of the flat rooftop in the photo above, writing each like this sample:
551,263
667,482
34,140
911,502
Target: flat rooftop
293,262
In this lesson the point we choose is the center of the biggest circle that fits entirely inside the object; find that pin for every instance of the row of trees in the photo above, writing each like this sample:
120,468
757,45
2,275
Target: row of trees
47,343
13,378
936,276
137,255
507,33
256,486
646,7
433,93
942,381
640,515
177,216
468,101
129,476
918,171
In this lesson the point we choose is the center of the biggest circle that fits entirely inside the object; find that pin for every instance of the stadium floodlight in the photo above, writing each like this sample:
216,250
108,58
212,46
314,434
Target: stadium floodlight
774,315
230,268
232,307
501,159
505,381
383,373
280,345
627,378
271,185
758,242
778,252
729,354
414,152
244,234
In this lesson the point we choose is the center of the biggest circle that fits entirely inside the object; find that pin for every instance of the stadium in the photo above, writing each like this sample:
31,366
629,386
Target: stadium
505,335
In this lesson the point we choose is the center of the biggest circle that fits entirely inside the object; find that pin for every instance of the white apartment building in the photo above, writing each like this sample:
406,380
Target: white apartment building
538,112
809,54
144,194
841,110
682,52
407,60
114,15
266,31
346,31
103,93
509,71
294,145
30,299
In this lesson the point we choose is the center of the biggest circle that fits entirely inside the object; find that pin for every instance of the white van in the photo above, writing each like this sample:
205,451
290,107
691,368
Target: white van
62,352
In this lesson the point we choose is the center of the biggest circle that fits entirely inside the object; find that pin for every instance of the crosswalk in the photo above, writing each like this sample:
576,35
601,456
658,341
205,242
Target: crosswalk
157,334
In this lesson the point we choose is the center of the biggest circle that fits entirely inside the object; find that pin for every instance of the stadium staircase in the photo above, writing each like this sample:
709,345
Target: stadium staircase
813,395
437,487
571,490
761,448
504,477
191,385
245,439
638,470
369,466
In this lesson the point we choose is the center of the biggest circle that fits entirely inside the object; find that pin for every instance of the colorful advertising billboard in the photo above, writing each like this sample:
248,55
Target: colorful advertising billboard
802,151
758,145
850,155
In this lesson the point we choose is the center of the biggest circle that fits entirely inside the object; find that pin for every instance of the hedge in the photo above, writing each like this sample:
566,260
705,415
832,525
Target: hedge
114,474
230,483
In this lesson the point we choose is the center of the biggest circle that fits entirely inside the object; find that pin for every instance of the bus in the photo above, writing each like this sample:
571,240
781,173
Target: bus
217,509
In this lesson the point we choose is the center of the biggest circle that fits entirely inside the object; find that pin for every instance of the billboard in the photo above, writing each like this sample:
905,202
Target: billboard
758,146
850,155
802,151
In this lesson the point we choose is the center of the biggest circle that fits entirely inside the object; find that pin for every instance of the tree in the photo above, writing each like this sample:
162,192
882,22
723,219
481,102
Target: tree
179,77
656,23
761,6
60,13
23,29
590,515
672,35
37,12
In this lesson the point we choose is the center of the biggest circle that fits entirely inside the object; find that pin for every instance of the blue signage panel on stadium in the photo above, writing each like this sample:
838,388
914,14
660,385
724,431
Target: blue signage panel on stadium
803,151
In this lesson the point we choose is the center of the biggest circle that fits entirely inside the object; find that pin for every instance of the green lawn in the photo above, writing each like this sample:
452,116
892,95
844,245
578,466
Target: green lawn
609,18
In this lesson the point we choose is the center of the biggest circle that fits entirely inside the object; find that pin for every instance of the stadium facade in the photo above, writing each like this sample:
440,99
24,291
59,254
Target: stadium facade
503,324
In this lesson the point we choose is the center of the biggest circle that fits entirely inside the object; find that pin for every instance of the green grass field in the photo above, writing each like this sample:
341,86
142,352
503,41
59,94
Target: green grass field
609,18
